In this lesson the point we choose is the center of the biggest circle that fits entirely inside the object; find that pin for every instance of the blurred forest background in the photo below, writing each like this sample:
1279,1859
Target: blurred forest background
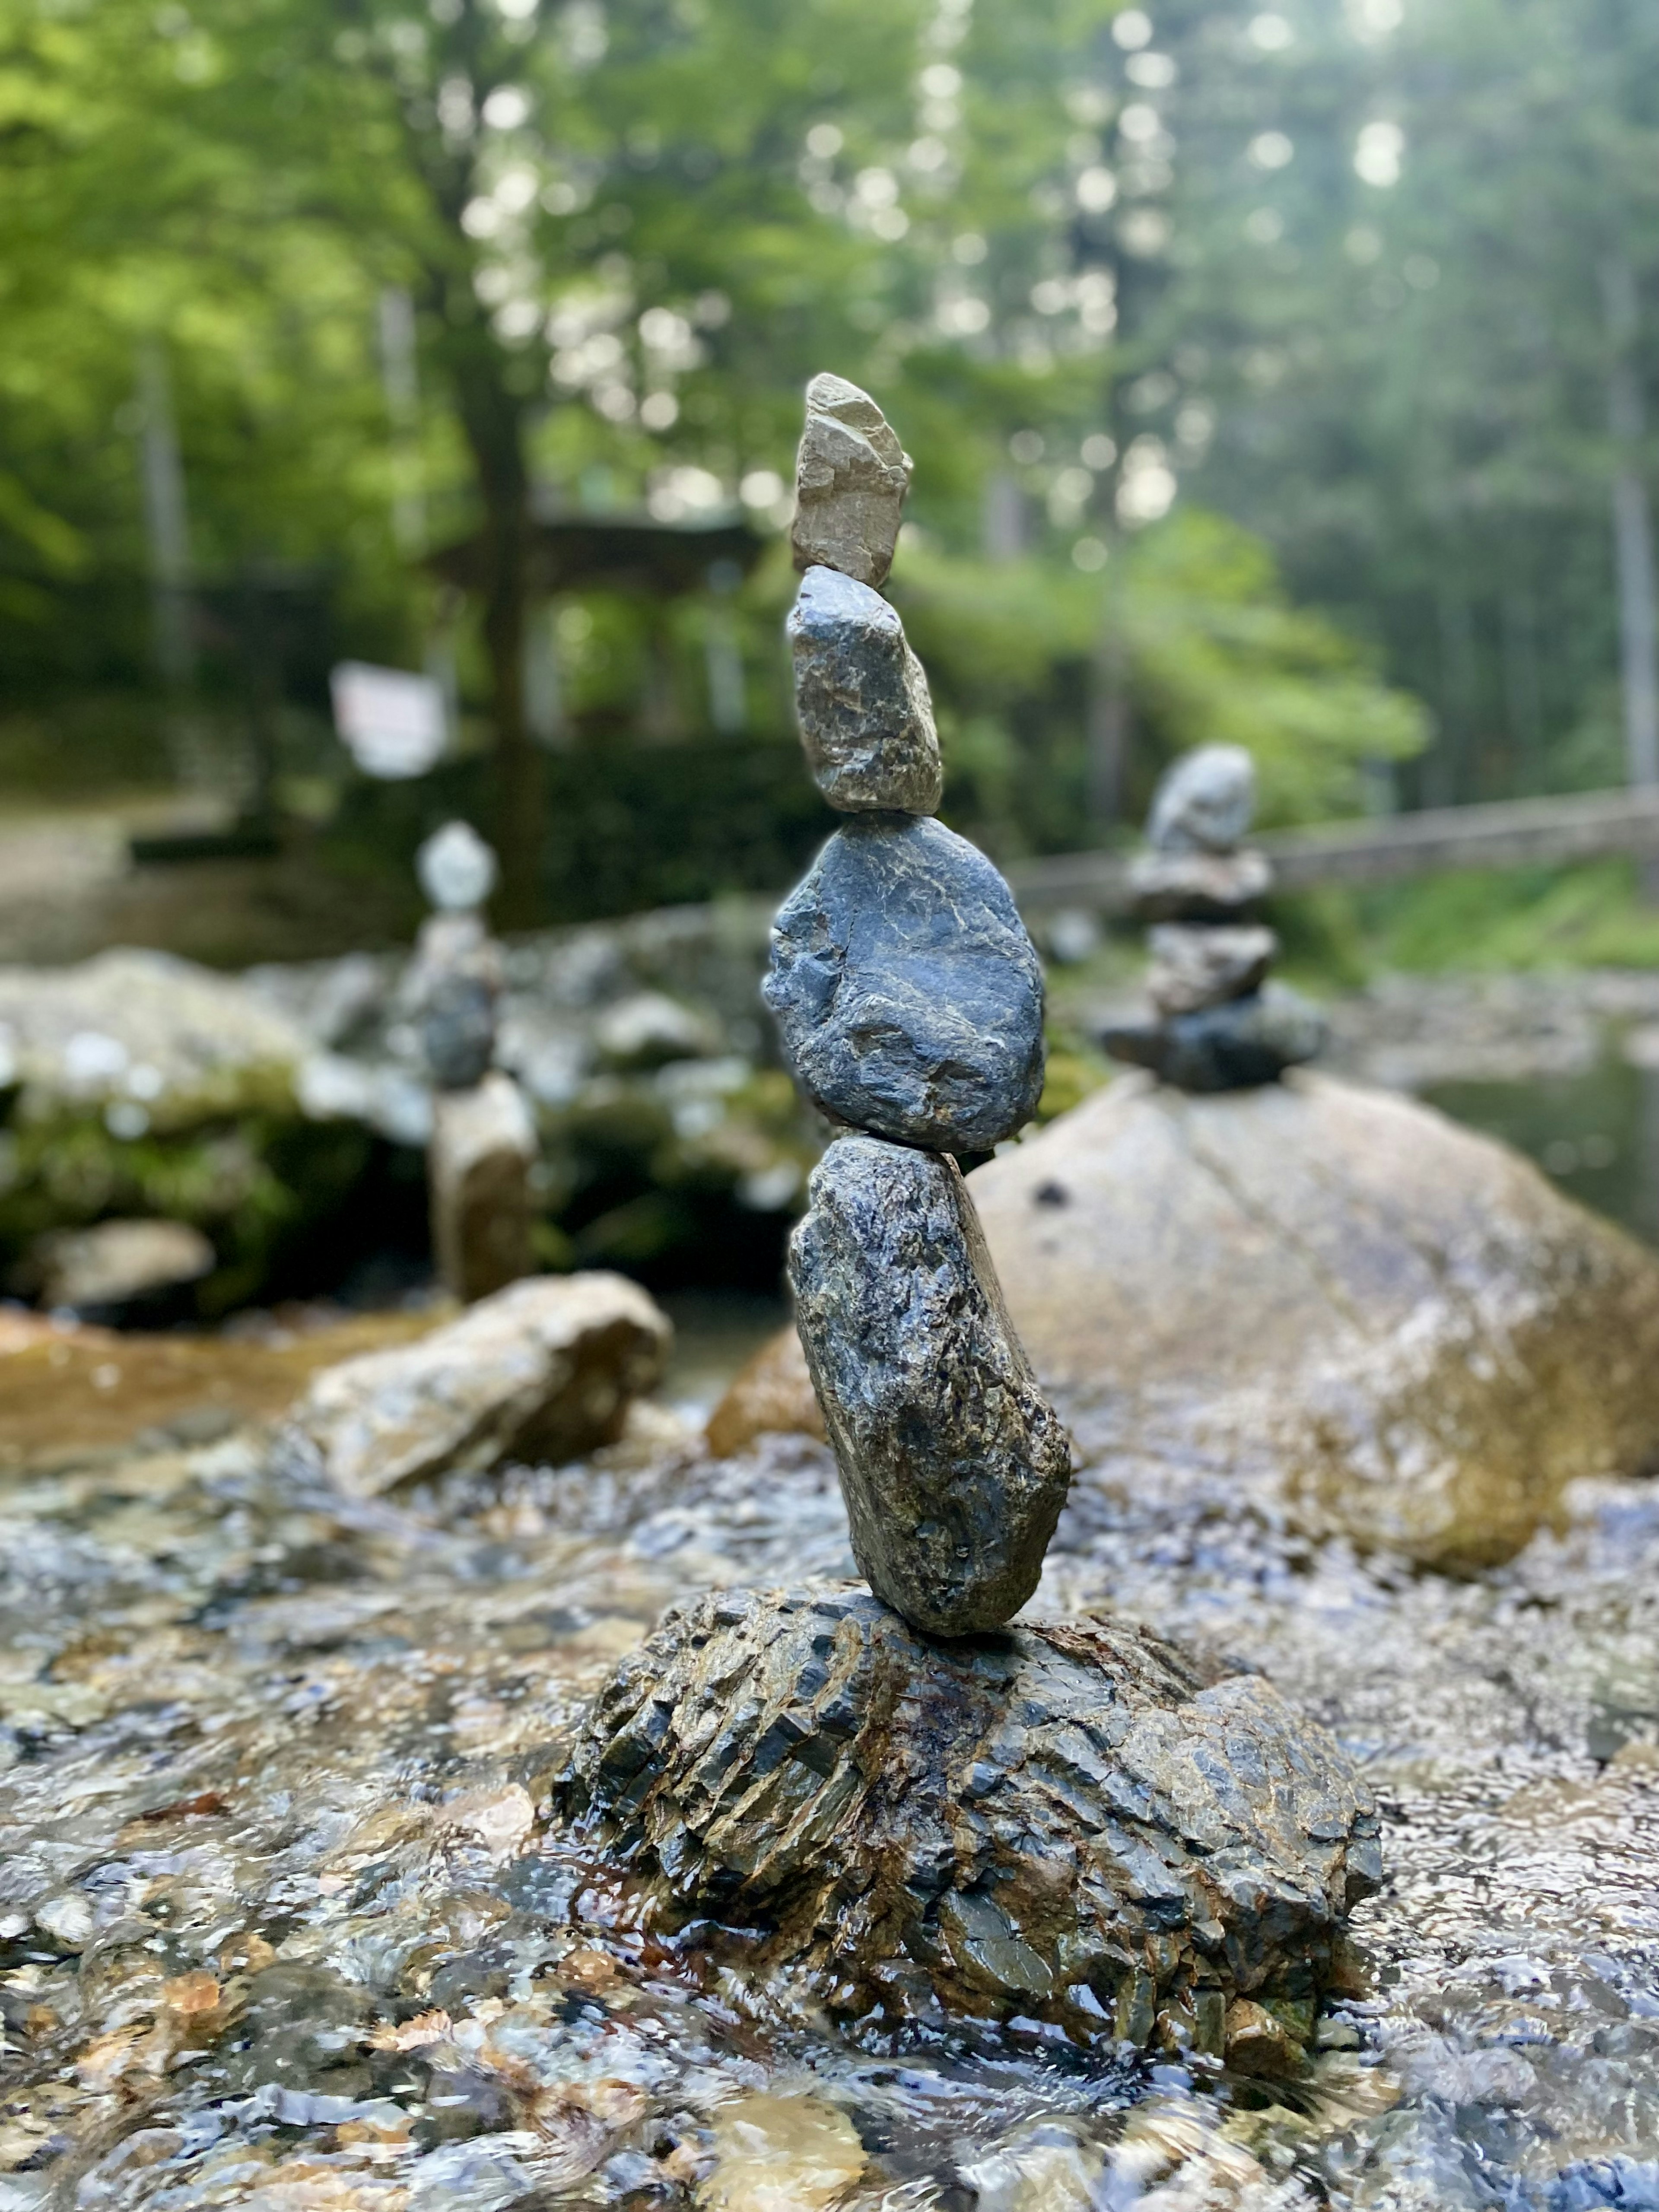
1273,374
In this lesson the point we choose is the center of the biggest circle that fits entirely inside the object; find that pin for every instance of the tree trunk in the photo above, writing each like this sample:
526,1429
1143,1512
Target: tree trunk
493,419
1632,529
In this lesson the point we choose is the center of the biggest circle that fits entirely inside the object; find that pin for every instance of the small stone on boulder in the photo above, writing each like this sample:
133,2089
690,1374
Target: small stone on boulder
543,1371
866,721
1078,1825
1197,886
952,1464
483,1147
908,995
1224,1048
851,477
1193,967
1204,803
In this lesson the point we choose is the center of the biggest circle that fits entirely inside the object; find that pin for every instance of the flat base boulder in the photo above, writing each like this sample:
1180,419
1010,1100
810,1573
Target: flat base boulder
1076,1824
1333,1294
543,1371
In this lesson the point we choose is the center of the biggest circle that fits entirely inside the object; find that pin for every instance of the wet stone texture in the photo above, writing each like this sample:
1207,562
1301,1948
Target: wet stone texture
866,721
953,1465
1074,1824
908,995
286,1923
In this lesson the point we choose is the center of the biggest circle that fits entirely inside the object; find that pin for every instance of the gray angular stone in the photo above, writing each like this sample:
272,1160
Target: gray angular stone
851,477
866,721
1234,1047
908,995
1079,1825
1204,802
1194,966
952,1463
1220,887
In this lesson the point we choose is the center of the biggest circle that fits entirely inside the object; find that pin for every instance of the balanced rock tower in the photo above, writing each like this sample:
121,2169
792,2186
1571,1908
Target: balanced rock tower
917,1814
909,999
1216,1024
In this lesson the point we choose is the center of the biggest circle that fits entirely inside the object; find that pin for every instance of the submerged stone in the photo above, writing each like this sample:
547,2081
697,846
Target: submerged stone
1079,1824
861,699
1204,802
542,1372
908,995
953,1465
1245,1042
851,477
1193,966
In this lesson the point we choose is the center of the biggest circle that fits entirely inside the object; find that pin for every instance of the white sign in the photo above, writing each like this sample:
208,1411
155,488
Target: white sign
393,724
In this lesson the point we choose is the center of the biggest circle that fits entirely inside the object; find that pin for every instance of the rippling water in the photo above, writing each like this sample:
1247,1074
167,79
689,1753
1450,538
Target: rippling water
281,1929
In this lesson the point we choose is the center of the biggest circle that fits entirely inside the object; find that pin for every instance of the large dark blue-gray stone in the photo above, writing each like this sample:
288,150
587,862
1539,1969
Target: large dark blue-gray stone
866,721
953,1464
1236,1047
908,995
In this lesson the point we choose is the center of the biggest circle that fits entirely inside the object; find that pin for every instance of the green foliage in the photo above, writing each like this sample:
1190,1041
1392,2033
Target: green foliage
1593,915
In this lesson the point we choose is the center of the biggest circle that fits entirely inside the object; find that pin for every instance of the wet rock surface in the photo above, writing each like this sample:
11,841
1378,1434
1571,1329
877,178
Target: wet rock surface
851,477
1328,1295
1070,1823
861,700
953,1465
545,1368
285,1923
908,995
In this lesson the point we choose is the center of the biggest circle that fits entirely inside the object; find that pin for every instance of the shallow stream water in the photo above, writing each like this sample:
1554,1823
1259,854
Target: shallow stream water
283,1928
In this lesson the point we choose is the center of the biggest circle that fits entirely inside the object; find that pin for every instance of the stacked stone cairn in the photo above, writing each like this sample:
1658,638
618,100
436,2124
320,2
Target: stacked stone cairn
1217,1022
483,1143
910,1002
916,1814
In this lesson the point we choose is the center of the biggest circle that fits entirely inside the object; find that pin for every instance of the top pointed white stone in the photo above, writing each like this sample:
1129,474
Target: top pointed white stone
851,477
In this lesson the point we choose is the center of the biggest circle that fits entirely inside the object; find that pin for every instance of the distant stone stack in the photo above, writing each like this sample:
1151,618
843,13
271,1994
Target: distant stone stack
484,1142
1217,1022
910,1002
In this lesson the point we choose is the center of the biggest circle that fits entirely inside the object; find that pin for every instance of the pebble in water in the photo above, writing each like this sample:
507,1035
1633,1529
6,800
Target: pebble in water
851,477
861,699
954,1467
908,992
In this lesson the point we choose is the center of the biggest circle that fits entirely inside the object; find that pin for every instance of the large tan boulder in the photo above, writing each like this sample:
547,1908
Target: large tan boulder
1335,1293
1332,1296
543,1371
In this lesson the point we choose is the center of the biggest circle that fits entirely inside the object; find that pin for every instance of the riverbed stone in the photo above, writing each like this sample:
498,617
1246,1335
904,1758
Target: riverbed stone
1246,1041
1328,1297
952,1463
1081,1825
1220,887
908,995
861,699
118,1270
543,1371
1193,967
1204,802
851,477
